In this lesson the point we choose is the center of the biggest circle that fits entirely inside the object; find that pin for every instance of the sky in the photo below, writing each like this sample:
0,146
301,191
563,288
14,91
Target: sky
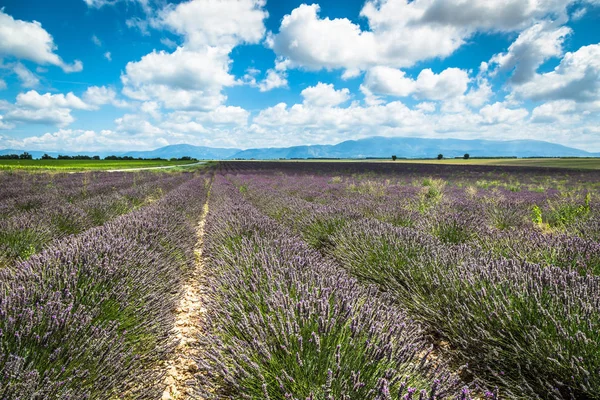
97,75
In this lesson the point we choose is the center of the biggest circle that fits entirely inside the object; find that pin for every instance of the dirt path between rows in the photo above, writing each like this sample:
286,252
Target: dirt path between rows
188,321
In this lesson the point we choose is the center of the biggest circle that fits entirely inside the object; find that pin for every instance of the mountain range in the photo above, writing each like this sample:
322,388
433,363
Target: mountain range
375,147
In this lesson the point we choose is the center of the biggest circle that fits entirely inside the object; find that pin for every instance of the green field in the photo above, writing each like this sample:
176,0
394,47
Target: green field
580,163
85,165
577,163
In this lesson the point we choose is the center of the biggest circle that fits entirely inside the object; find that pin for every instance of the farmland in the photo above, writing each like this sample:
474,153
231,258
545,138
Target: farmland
84,165
301,280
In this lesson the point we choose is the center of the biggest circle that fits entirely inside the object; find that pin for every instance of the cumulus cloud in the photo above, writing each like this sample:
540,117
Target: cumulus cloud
192,77
35,100
533,46
100,95
2,84
108,56
448,84
339,118
348,47
400,32
185,121
498,113
216,22
553,111
29,41
46,116
576,78
324,95
55,109
86,140
28,79
182,79
46,109
151,108
273,80
494,15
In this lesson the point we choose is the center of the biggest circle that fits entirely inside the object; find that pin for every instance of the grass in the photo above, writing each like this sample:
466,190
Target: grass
577,163
84,165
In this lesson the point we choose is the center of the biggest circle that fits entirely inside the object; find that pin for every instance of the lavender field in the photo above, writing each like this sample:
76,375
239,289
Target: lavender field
290,280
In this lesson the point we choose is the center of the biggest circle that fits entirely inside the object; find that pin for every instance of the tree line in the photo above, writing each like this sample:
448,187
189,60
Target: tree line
28,156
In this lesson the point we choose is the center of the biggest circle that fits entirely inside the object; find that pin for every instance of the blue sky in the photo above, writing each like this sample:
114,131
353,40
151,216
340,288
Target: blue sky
86,75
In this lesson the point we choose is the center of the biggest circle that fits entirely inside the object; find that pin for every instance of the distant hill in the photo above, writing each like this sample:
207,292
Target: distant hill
370,147
182,150
418,148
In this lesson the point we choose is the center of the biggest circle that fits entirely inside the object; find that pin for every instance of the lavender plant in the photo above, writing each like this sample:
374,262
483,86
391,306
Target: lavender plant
91,316
285,323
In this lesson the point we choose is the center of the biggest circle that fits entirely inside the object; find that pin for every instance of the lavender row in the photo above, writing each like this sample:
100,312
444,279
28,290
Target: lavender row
28,232
530,328
284,323
502,223
91,316
22,191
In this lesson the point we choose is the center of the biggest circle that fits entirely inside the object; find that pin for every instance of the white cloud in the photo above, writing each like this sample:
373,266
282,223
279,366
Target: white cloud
196,121
450,83
2,84
553,111
98,3
29,41
493,15
226,115
47,116
533,46
273,80
497,113
324,95
28,79
108,56
348,47
476,97
426,107
144,4
151,108
300,115
100,95
55,109
86,140
168,42
577,78
400,32
578,13
4,125
33,99
183,79
193,76
142,25
216,22
96,40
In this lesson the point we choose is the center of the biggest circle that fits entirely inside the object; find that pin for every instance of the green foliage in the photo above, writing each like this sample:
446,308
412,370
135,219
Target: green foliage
21,243
318,233
566,211
431,193
452,232
536,215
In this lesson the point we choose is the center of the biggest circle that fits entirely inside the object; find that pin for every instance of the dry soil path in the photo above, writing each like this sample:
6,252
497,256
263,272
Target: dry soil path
188,321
